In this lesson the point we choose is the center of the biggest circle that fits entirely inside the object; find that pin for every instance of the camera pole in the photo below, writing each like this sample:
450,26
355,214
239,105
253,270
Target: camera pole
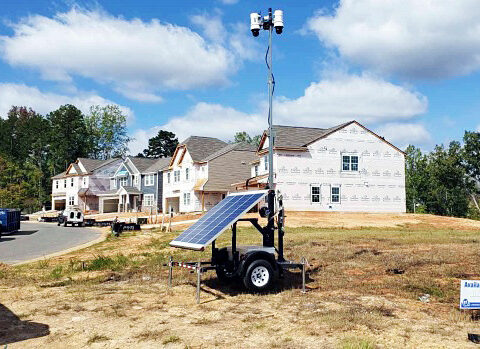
269,22
269,240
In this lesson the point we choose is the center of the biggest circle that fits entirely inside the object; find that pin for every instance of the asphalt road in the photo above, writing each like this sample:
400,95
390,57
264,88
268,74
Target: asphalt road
40,239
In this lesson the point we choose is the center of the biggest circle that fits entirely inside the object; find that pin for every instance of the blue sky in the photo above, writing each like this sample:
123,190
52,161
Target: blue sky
407,69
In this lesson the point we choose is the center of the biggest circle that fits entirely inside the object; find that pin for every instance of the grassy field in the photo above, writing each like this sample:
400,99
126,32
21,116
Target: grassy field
115,294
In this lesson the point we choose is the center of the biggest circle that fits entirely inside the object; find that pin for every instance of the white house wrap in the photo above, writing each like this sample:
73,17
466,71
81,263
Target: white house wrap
345,168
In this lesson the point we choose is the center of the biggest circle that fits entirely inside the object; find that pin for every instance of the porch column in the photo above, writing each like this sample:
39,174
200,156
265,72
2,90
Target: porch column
203,201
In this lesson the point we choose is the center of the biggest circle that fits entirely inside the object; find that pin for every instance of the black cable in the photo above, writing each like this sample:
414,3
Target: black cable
273,80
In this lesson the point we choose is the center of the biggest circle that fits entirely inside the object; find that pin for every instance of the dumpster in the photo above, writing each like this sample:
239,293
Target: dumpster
9,220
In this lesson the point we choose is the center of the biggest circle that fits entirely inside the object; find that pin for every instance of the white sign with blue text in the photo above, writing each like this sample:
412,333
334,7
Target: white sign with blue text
470,294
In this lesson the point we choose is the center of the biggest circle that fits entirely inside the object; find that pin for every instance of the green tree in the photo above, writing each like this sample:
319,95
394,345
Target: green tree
162,145
68,137
471,147
448,182
245,138
107,132
416,178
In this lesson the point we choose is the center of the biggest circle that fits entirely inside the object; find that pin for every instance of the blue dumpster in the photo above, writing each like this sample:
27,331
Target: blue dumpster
9,220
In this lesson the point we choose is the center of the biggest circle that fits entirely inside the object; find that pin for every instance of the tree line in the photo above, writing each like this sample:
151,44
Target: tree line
35,147
446,180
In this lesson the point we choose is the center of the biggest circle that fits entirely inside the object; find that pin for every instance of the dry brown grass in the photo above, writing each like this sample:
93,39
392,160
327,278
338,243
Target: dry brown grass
118,288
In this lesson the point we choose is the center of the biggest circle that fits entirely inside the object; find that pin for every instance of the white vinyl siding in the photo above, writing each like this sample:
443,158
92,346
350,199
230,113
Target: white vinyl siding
148,200
149,180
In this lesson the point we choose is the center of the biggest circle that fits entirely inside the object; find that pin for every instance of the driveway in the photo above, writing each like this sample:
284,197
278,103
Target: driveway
40,239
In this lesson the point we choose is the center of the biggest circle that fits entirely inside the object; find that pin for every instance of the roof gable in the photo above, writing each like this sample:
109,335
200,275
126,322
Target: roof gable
298,138
141,164
199,148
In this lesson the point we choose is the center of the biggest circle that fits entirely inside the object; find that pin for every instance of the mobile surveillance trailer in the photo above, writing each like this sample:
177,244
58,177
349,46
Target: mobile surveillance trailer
257,266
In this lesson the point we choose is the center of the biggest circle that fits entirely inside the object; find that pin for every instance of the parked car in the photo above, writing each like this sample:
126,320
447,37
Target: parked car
71,216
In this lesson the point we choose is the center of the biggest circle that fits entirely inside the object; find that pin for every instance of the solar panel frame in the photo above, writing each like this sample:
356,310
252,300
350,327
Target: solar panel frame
224,222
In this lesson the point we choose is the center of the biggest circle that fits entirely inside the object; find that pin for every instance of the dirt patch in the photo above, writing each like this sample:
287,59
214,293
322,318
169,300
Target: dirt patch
115,294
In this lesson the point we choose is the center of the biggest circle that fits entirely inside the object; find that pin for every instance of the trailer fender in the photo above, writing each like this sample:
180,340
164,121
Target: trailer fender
253,256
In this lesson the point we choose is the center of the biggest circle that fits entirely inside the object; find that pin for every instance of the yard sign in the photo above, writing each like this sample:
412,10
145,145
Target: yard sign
470,294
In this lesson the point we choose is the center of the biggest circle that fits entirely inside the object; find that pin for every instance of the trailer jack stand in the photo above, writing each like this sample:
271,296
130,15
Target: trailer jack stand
304,265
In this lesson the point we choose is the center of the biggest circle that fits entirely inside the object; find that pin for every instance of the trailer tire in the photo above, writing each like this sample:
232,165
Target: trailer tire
259,276
65,223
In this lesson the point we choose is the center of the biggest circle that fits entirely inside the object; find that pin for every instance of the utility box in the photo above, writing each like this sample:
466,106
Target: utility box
9,220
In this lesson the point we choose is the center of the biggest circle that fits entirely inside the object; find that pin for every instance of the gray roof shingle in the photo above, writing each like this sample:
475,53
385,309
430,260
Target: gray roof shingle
142,164
234,146
200,148
92,164
159,164
296,137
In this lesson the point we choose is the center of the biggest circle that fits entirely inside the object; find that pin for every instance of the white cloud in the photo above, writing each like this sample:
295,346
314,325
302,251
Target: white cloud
45,102
324,104
342,98
229,2
414,38
137,58
405,133
204,119
478,128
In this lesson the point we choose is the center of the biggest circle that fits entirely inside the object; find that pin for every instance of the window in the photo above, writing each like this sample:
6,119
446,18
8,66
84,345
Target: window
71,182
148,200
256,170
113,183
176,176
135,180
335,195
123,181
149,180
265,160
84,182
315,194
168,177
349,163
186,199
71,200
72,215
186,173
56,184
64,183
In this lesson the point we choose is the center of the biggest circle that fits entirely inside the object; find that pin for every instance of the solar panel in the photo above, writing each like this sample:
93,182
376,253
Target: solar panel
217,219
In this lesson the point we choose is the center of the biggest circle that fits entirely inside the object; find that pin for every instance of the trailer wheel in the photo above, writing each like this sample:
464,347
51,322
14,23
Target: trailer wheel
259,276
65,223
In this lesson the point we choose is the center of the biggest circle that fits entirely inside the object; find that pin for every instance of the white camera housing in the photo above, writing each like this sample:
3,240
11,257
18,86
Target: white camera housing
255,22
278,21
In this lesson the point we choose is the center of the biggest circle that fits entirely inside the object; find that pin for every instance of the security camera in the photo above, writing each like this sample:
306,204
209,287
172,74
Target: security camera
278,21
255,21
